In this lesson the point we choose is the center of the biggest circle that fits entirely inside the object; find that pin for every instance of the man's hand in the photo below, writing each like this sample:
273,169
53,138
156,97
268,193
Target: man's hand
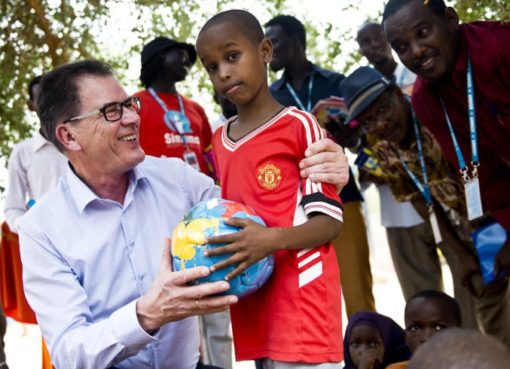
326,162
249,245
170,298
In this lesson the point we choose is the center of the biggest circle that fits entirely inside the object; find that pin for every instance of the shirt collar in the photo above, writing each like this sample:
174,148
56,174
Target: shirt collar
280,83
39,142
83,195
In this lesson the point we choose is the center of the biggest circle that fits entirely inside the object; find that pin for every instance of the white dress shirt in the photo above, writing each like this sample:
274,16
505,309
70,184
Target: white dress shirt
87,260
35,165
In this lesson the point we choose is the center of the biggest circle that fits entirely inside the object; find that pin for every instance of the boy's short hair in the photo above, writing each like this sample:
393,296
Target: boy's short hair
450,303
59,97
291,25
437,6
33,82
246,22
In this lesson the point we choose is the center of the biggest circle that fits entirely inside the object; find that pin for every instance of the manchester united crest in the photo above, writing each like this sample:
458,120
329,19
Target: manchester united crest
269,176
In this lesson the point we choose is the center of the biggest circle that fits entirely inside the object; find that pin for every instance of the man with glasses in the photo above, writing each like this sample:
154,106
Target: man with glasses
95,270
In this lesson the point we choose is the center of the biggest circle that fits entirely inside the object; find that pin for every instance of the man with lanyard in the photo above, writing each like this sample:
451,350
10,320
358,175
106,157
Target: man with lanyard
303,84
172,125
412,247
462,95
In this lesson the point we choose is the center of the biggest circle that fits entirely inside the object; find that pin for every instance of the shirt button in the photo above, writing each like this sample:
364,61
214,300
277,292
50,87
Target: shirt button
132,243
141,277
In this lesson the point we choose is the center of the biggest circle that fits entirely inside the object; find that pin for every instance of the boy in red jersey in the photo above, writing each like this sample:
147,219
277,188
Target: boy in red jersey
295,319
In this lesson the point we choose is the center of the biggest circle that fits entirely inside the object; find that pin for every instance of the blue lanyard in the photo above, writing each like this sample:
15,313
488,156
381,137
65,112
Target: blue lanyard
475,163
424,187
170,124
298,100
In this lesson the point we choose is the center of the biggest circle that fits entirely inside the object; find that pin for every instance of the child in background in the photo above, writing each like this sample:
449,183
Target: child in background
295,318
373,341
427,313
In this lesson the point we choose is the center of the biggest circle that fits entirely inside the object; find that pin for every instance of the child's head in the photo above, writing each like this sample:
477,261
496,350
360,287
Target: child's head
377,104
427,313
235,54
458,348
375,338
424,35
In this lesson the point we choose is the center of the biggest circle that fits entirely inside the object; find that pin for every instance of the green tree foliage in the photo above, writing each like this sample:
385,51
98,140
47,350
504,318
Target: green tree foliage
38,35
471,10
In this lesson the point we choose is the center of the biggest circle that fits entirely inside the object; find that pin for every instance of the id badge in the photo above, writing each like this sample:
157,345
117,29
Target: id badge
435,227
473,198
191,159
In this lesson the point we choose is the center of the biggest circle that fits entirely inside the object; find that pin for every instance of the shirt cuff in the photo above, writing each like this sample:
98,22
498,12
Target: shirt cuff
127,329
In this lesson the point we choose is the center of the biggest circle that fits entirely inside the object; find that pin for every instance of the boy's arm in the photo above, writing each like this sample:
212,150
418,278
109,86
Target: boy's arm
255,242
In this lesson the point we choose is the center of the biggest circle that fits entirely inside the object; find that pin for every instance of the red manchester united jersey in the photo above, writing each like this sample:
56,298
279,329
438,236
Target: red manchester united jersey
157,139
296,315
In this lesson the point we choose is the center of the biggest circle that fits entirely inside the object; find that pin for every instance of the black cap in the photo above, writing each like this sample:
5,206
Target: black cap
162,43
362,88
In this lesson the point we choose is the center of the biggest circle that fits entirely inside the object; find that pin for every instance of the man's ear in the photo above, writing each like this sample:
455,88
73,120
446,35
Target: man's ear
451,18
266,49
66,137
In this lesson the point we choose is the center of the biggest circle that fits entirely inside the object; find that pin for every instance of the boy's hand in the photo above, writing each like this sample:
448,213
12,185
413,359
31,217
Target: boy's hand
252,243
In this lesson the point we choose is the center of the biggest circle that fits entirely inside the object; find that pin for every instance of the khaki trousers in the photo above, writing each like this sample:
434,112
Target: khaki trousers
353,260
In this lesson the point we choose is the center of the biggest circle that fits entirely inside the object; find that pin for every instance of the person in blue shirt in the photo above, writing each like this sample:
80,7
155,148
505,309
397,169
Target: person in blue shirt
96,270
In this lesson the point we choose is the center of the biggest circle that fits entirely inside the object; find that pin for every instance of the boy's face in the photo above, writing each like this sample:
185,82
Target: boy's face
386,118
366,346
237,66
373,45
425,42
424,317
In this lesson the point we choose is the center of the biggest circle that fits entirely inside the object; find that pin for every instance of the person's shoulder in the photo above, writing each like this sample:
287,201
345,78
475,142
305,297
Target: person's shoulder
143,94
486,35
278,84
326,73
22,149
48,207
190,101
155,165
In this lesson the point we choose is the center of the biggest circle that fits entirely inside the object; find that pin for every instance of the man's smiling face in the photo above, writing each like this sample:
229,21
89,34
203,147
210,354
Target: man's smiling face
424,41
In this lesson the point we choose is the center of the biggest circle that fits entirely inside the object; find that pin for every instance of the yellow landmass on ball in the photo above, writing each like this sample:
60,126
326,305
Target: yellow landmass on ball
186,237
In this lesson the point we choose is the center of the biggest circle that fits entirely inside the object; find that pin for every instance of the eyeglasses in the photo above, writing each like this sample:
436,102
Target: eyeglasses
381,113
112,112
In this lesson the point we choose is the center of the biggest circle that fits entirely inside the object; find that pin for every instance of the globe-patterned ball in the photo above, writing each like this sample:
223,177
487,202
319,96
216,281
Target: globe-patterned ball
207,219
